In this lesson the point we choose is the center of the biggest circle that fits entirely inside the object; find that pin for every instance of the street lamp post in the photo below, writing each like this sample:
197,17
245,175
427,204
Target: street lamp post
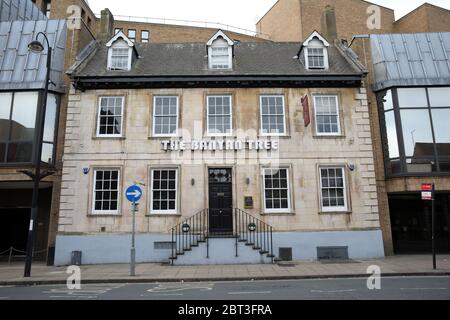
37,47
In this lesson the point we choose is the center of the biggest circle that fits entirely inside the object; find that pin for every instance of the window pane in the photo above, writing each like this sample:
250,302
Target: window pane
145,36
391,131
388,103
20,152
106,192
417,133
439,97
327,115
165,115
273,117
50,118
111,112
5,111
164,190
333,189
47,153
219,115
24,116
276,189
441,121
412,98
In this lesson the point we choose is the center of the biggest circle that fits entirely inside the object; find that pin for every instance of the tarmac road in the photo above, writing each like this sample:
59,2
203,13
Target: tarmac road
406,288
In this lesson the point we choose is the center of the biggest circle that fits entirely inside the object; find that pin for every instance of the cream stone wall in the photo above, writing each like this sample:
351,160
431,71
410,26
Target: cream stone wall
301,151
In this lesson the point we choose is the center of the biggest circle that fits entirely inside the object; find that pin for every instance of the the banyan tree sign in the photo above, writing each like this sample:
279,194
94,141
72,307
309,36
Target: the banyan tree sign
219,145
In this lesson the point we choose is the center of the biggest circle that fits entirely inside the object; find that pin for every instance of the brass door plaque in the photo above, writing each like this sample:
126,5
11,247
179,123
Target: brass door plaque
248,203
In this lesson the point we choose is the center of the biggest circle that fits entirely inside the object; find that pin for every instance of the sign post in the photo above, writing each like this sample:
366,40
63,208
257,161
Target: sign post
428,194
133,194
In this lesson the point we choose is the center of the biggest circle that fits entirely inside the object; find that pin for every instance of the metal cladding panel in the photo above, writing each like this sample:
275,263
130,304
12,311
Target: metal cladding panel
11,10
421,59
22,69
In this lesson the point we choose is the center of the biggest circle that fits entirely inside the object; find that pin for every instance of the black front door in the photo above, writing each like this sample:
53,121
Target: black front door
220,201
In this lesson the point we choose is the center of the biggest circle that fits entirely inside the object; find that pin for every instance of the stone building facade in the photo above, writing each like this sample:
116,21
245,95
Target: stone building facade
303,154
81,28
343,20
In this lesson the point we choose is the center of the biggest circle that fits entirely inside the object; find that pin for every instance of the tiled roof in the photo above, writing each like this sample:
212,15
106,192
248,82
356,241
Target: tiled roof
191,59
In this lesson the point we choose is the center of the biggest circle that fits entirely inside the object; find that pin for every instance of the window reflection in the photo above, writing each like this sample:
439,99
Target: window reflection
18,112
417,133
24,116
392,135
388,103
5,112
50,118
412,98
439,97
423,150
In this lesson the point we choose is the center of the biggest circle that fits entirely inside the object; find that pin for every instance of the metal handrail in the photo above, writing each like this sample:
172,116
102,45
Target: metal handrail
246,228
190,233
191,23
254,232
12,249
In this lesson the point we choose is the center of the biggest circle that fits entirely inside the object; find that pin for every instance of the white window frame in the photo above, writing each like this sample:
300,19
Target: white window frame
210,134
98,134
338,109
164,212
230,57
94,182
345,208
316,41
325,58
110,54
264,134
269,211
164,135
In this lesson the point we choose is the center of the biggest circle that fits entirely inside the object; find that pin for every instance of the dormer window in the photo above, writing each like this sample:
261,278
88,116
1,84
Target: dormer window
220,52
316,52
316,58
120,59
120,52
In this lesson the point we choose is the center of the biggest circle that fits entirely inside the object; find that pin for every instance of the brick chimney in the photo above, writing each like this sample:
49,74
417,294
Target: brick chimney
328,23
106,30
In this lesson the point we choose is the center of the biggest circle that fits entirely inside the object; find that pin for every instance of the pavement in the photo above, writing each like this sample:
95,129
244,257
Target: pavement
397,266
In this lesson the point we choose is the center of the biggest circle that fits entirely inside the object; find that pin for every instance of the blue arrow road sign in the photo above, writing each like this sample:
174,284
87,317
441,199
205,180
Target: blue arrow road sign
133,193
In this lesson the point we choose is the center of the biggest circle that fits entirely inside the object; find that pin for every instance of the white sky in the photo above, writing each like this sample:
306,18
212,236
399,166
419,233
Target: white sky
238,13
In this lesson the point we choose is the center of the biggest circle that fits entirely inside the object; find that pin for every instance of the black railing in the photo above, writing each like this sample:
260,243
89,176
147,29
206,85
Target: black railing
253,232
190,233
246,229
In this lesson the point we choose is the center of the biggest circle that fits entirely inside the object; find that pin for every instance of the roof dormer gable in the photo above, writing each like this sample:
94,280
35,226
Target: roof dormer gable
315,48
220,52
121,52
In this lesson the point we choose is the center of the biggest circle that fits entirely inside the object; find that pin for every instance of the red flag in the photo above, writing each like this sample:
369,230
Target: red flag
306,115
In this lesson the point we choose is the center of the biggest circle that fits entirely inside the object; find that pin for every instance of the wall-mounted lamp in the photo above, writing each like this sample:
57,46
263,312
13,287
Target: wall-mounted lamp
193,182
247,181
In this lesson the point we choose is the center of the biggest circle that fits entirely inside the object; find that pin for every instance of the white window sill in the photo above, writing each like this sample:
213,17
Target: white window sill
106,137
276,213
335,211
105,214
